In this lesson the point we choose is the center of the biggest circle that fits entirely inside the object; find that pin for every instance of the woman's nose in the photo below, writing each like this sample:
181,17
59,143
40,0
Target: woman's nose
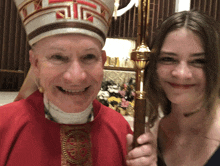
182,70
75,73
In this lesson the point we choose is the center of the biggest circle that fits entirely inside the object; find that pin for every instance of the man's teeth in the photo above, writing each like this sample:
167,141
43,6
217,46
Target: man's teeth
73,91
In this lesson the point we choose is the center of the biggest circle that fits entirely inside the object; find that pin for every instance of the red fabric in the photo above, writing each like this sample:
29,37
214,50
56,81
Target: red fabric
28,138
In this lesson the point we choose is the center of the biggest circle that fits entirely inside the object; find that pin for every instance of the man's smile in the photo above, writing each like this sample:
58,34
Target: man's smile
72,91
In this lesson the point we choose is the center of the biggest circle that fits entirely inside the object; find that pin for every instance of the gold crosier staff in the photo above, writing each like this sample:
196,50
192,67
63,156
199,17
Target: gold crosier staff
141,58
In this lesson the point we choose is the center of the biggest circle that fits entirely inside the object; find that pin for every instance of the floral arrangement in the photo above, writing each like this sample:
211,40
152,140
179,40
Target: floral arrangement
118,97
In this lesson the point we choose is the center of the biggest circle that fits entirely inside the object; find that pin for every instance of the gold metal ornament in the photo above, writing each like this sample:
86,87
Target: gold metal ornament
41,89
141,58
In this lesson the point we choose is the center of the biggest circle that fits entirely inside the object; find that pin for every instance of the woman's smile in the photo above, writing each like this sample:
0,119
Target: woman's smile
181,86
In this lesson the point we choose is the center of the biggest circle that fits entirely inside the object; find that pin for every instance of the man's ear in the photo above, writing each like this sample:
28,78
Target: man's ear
34,62
103,57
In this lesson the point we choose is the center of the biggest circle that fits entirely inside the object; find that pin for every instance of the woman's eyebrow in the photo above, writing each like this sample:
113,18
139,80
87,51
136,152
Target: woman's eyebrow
198,54
168,53
174,54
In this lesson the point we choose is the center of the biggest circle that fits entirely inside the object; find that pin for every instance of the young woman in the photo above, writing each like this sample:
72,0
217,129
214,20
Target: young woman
183,82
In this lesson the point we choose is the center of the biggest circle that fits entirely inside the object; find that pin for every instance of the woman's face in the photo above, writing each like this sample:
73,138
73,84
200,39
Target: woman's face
180,67
70,69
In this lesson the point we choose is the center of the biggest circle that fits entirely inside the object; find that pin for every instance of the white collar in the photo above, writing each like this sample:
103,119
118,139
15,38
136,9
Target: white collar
54,113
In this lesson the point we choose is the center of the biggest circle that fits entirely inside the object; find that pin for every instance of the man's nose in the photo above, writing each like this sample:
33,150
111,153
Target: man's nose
75,73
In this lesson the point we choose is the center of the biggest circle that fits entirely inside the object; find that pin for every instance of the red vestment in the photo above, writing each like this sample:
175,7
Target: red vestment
27,138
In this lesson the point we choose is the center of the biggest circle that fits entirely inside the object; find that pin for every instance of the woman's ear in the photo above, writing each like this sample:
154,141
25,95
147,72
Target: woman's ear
103,57
34,63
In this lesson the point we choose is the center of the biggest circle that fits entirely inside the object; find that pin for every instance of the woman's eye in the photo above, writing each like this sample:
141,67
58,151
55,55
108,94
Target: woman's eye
198,62
167,60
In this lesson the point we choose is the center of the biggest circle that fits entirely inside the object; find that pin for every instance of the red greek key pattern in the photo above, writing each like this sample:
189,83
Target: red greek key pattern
66,9
38,4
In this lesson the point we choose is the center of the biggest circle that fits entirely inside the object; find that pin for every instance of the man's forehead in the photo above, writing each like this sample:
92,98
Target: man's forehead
61,40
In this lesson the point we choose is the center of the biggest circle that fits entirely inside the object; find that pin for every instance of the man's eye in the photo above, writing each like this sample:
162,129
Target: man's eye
89,58
59,58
